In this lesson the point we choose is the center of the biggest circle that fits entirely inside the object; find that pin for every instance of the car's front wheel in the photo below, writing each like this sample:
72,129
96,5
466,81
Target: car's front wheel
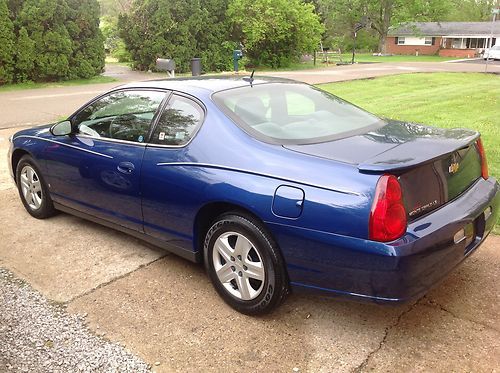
245,265
33,190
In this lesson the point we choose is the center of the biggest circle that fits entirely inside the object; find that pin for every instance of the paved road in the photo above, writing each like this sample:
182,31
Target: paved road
164,310
45,105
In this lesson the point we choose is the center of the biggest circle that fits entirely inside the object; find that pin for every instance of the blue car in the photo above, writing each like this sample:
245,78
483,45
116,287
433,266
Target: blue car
273,184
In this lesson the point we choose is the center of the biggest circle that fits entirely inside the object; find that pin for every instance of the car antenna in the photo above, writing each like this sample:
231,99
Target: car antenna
250,78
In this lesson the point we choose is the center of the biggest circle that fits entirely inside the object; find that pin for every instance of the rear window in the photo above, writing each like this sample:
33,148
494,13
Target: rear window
293,113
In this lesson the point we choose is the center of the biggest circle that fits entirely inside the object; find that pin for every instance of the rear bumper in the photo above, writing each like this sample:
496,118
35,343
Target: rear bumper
394,272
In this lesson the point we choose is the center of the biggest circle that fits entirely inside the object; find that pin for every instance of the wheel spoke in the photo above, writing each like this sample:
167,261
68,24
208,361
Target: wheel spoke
37,201
225,273
24,180
224,249
242,247
29,197
30,174
254,270
243,287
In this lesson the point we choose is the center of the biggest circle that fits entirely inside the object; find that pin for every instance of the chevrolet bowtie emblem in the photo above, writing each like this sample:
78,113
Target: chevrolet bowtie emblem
453,168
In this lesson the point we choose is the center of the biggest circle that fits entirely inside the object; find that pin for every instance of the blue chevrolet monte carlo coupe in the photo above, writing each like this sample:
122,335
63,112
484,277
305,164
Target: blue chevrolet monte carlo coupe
273,184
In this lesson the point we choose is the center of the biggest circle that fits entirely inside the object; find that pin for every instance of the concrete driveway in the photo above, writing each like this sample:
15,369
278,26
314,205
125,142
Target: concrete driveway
164,310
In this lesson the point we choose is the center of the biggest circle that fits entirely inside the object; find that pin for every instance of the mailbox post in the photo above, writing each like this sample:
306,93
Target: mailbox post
237,55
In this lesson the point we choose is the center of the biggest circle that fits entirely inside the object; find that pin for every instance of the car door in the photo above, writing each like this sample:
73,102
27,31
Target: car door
168,197
97,169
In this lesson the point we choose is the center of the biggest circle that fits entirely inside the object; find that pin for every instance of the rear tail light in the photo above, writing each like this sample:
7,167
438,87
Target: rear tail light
484,163
388,215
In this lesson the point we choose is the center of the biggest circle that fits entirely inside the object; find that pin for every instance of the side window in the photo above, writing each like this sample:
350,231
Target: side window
124,115
177,122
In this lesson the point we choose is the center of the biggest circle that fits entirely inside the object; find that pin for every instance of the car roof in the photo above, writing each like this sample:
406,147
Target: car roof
207,83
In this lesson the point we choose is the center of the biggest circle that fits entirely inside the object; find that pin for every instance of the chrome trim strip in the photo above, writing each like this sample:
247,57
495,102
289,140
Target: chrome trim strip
68,145
221,167
107,139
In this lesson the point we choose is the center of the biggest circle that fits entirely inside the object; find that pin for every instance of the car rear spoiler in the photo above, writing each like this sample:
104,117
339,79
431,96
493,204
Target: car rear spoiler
418,151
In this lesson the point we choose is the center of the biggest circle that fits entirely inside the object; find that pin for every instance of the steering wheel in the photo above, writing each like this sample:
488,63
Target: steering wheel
125,127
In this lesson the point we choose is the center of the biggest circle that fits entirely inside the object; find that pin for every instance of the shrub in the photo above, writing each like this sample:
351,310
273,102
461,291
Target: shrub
56,39
275,32
7,38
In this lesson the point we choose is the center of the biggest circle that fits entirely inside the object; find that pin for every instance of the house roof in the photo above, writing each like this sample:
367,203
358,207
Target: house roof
445,29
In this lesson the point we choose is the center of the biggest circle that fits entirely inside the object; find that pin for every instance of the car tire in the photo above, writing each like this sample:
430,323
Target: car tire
33,190
245,265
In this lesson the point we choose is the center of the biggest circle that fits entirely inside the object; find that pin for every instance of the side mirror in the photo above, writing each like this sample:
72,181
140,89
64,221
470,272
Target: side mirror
62,128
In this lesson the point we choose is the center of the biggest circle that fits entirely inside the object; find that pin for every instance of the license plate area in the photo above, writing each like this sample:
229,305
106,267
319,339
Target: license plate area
466,236
470,235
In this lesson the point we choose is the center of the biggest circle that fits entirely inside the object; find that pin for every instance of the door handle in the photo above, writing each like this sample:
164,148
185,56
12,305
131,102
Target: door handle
126,167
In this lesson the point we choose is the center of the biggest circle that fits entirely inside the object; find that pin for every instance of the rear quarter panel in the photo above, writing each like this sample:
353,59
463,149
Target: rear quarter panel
224,164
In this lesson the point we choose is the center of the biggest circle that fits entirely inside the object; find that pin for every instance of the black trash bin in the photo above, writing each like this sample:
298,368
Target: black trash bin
196,66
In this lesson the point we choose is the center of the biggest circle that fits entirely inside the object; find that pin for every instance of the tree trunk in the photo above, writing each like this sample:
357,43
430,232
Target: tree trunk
386,9
381,44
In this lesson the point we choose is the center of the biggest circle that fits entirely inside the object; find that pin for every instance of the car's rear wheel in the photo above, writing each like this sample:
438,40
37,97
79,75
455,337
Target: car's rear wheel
33,190
245,265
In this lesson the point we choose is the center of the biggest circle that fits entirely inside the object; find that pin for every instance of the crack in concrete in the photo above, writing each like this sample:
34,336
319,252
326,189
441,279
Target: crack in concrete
103,284
433,304
388,329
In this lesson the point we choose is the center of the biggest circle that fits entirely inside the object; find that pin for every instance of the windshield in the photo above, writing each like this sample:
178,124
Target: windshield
293,113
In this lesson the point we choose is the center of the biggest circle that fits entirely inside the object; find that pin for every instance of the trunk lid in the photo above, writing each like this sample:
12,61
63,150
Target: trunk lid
434,165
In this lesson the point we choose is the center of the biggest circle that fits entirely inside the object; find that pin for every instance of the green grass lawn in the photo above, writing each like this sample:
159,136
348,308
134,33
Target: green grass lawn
449,100
32,85
360,58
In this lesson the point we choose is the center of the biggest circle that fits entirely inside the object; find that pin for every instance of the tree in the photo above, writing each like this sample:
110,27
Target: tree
25,56
340,18
275,32
87,57
56,39
113,8
385,13
44,22
7,38
471,10
213,43
176,29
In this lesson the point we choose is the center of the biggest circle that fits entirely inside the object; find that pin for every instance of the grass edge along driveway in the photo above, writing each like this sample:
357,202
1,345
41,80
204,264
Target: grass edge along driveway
32,85
447,100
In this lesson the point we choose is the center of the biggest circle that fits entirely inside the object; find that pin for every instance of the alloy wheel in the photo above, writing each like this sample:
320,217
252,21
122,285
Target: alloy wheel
31,187
238,265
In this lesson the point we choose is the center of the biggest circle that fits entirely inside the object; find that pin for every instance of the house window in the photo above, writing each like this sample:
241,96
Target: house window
428,41
457,43
401,40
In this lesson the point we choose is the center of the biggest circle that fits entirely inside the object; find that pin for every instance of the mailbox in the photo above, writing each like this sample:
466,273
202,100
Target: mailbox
163,64
237,55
